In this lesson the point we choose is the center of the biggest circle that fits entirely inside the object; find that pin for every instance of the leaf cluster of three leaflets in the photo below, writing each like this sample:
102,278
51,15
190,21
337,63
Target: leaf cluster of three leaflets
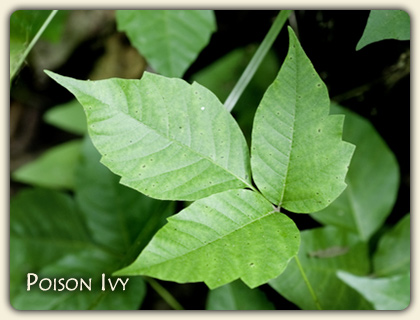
175,141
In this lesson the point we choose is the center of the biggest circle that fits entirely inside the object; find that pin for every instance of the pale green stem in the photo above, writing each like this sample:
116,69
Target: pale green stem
256,60
164,294
34,40
308,284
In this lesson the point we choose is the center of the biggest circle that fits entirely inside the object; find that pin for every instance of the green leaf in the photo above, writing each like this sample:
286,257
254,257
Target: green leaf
298,159
390,293
117,216
323,251
372,181
385,24
69,117
166,138
237,296
58,245
229,235
89,266
393,253
170,40
38,234
53,169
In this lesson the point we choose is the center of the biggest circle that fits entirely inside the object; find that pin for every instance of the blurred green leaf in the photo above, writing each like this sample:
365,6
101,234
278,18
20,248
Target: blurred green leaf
389,293
393,253
69,117
102,231
372,181
237,296
323,251
170,40
53,169
44,225
58,245
385,24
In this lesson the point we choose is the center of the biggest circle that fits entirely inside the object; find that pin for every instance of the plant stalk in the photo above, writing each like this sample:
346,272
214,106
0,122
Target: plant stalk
164,294
32,43
256,60
308,284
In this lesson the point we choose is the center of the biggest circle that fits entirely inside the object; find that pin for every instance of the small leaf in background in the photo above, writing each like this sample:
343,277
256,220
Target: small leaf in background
372,181
166,138
389,293
69,117
170,40
385,24
218,239
320,267
392,255
237,296
116,215
298,158
53,169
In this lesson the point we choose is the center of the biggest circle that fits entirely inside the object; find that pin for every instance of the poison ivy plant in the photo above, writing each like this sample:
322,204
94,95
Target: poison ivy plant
385,24
172,140
170,40
372,181
179,143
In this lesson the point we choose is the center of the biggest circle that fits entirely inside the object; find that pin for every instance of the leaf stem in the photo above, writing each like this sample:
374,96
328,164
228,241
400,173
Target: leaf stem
164,293
34,40
308,284
256,60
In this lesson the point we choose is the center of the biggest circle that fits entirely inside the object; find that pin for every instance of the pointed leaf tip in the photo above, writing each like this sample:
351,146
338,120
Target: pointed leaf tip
298,158
166,138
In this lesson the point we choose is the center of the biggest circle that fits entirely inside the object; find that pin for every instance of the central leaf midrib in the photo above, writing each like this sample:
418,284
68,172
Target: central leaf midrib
213,241
185,146
293,135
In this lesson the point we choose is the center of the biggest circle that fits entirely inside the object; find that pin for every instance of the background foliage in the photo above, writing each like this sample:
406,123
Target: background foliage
56,176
